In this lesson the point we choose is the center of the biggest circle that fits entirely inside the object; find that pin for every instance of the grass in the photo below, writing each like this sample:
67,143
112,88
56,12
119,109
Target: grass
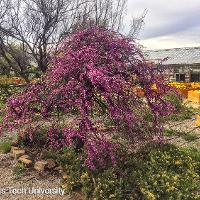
190,137
186,136
194,110
50,154
5,147
19,170
193,152
169,133
184,115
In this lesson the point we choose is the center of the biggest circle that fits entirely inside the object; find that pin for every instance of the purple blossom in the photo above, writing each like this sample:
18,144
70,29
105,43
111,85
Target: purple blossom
95,69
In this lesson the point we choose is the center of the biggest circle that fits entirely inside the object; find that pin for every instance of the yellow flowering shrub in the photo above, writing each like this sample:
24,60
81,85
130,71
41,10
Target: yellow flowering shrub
155,173
169,174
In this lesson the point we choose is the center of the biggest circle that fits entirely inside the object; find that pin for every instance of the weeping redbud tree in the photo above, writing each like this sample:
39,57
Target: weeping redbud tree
92,81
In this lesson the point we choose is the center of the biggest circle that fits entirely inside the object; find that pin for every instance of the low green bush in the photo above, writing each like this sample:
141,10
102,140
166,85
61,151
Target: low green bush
73,167
195,154
168,173
157,172
181,111
190,137
50,154
180,116
19,170
169,132
38,139
5,147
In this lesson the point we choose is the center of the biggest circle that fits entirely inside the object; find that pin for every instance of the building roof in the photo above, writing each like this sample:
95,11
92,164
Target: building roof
175,56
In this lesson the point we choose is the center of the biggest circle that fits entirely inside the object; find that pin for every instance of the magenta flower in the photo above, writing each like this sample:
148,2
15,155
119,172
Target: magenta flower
94,73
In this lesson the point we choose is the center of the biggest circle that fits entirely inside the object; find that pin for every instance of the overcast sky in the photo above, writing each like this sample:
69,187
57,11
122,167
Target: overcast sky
168,23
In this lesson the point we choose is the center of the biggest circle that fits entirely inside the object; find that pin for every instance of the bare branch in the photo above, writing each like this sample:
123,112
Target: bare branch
40,25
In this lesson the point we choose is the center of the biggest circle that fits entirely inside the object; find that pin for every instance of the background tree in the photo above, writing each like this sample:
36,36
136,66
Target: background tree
39,25
15,61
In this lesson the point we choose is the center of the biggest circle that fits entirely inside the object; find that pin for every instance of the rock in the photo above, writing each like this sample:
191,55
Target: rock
25,159
16,152
25,156
40,165
51,163
13,148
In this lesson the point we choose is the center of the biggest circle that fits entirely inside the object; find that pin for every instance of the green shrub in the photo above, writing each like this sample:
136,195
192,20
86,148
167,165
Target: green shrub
169,132
39,138
163,172
108,185
73,167
190,137
168,174
183,115
195,154
50,154
5,147
181,111
19,170
148,115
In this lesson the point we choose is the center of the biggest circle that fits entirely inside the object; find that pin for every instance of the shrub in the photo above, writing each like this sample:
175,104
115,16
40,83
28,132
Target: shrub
169,174
181,111
154,173
94,71
195,154
169,132
72,163
183,115
19,170
190,137
5,147
38,140
50,154
99,184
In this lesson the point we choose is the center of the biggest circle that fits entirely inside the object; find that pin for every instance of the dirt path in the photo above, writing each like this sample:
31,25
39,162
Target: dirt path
30,180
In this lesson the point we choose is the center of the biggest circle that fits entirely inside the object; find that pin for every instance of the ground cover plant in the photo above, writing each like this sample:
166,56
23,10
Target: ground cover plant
156,172
5,146
19,170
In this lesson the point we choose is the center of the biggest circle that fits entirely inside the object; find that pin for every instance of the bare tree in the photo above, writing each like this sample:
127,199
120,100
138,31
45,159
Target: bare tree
39,25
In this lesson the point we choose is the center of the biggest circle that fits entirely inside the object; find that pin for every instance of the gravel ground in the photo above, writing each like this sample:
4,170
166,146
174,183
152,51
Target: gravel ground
187,126
31,180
